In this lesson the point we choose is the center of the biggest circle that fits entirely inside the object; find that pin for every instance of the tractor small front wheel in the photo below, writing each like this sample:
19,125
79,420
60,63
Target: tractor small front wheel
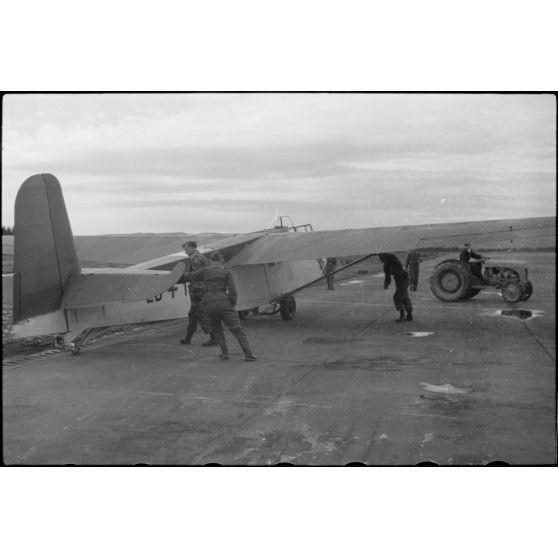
527,290
512,291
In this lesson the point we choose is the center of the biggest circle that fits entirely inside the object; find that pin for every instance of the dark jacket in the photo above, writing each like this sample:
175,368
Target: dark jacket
392,266
195,262
466,255
330,265
218,283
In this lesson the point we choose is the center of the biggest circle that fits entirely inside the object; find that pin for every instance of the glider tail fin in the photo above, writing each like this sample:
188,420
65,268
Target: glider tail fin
44,252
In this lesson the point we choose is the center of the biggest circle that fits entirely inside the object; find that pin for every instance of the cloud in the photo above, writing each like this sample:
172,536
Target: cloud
329,156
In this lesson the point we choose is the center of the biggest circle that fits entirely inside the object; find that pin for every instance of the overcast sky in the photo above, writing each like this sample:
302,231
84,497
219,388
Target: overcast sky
227,163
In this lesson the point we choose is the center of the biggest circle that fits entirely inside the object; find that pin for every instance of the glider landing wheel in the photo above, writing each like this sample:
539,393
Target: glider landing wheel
287,307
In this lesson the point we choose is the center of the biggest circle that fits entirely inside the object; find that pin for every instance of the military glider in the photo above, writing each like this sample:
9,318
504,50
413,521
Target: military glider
52,294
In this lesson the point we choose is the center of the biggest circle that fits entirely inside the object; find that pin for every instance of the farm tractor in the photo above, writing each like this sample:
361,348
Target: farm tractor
454,280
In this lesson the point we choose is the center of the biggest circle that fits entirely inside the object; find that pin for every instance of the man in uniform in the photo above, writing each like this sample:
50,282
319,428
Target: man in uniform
219,300
329,268
476,266
392,266
412,267
196,315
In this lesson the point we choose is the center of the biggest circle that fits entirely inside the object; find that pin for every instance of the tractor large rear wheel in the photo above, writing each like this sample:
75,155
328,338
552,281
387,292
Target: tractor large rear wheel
451,281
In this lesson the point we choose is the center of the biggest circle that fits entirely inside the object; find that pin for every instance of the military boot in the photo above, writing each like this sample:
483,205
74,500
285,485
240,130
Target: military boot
244,345
187,340
222,342
190,330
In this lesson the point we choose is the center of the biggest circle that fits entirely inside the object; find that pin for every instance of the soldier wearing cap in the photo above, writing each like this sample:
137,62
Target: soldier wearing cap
467,253
219,300
196,315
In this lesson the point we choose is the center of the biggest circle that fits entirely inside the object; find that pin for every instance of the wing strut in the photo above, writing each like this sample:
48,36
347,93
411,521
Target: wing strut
336,271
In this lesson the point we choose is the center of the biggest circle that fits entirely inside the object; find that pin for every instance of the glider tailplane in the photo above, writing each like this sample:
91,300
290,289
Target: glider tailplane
44,253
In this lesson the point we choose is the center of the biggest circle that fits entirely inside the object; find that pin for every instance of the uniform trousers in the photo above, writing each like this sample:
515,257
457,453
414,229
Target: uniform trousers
222,311
196,315
401,297
413,276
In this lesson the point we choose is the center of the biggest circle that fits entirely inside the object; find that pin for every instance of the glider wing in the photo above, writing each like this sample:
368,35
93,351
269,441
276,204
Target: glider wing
279,247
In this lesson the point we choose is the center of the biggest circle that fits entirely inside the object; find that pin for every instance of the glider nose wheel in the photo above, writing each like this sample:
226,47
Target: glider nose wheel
73,348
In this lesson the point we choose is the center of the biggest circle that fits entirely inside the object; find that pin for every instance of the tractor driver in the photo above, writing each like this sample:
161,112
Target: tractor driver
476,266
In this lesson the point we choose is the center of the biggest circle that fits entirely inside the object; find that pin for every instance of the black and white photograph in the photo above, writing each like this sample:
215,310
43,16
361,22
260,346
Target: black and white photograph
257,279
278,279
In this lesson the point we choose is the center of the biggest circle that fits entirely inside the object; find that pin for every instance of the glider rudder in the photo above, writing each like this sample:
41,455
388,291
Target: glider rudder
44,252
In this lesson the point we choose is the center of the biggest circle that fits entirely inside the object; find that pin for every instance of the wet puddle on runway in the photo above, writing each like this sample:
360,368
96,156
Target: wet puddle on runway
446,389
428,437
355,281
416,333
374,364
520,314
517,313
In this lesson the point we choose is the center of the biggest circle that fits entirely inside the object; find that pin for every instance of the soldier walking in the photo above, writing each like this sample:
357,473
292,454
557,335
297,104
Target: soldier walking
219,300
196,315
393,267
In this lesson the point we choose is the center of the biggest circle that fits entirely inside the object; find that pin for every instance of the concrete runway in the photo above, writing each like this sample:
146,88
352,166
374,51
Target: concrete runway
341,383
